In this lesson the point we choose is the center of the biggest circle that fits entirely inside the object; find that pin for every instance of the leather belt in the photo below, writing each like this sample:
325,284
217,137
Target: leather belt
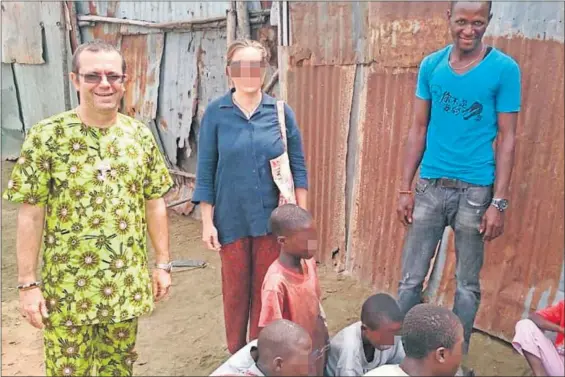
450,183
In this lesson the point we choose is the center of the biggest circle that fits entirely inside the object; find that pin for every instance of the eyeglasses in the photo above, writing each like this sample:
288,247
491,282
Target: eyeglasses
96,78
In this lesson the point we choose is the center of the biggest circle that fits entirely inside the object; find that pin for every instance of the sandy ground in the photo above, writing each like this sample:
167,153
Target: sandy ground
185,334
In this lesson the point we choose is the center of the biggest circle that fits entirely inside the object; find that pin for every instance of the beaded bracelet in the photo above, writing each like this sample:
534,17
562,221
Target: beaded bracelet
28,286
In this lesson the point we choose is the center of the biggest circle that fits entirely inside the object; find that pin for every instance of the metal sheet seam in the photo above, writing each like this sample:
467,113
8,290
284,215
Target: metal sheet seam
352,156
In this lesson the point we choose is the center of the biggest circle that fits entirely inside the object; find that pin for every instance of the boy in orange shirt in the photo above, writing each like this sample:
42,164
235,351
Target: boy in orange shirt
290,289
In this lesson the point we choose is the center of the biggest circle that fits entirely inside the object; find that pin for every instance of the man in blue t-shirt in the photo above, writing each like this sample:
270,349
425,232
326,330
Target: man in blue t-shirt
467,95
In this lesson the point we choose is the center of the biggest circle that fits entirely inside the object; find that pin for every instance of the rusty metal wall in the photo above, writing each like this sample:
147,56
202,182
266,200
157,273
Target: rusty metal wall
383,43
321,98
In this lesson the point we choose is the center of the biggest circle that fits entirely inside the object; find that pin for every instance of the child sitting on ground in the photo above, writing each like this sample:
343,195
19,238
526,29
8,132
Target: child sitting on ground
290,289
544,357
369,343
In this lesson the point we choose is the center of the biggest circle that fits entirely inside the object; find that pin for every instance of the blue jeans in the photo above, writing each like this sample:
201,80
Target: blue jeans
441,203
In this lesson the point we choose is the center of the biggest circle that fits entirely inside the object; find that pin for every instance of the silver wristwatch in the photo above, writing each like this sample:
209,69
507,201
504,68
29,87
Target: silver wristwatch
165,266
500,204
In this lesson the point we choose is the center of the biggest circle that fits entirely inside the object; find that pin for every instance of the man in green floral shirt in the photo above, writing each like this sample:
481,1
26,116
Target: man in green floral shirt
91,182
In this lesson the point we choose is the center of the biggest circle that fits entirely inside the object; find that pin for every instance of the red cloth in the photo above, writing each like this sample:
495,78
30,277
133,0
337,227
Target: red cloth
244,265
555,314
296,297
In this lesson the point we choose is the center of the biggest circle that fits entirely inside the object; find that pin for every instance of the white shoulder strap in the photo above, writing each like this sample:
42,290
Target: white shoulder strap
280,113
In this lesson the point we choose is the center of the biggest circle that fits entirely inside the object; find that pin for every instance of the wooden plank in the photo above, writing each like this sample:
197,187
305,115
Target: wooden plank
21,32
12,126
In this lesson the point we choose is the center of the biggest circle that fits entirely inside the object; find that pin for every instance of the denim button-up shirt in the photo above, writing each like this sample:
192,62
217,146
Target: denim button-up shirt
233,171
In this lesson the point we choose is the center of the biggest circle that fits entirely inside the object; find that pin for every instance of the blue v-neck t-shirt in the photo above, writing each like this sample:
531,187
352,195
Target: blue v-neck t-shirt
463,115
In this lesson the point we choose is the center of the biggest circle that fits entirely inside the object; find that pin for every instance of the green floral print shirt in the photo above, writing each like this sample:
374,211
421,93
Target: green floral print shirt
94,184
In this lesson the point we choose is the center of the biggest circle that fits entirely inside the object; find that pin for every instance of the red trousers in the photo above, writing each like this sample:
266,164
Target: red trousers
244,265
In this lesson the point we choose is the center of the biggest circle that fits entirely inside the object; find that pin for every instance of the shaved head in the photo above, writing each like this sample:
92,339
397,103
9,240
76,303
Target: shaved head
284,349
281,337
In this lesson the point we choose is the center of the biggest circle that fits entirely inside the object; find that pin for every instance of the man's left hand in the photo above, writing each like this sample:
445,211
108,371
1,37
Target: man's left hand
161,284
492,224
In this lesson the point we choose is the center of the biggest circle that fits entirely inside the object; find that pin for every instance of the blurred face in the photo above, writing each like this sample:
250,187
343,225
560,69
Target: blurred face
247,70
448,360
100,80
468,23
301,243
383,337
298,364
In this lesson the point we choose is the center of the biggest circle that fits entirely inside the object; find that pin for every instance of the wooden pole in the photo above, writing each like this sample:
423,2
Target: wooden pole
243,26
211,22
74,31
231,23
64,34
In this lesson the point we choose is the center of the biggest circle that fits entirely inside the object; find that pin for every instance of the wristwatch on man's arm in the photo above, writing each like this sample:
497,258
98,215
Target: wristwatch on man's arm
500,204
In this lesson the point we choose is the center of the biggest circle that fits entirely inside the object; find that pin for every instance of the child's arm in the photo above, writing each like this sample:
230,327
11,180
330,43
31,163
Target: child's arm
549,319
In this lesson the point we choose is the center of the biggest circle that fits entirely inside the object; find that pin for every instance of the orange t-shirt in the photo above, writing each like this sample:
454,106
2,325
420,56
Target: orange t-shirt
289,295
555,314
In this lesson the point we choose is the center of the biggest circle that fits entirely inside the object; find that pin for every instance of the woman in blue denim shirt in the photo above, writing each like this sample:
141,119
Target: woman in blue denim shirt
239,135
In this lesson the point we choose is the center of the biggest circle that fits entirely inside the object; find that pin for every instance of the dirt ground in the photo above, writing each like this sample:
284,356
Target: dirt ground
185,334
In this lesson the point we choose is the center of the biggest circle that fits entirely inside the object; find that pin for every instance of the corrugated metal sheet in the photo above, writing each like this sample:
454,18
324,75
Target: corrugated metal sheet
375,233
193,75
179,90
143,58
523,269
213,81
154,11
528,19
321,98
384,32
21,32
365,32
332,20
106,32
41,87
12,126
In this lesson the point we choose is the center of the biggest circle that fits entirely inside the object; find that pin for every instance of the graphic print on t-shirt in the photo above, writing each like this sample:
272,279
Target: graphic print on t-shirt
457,106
